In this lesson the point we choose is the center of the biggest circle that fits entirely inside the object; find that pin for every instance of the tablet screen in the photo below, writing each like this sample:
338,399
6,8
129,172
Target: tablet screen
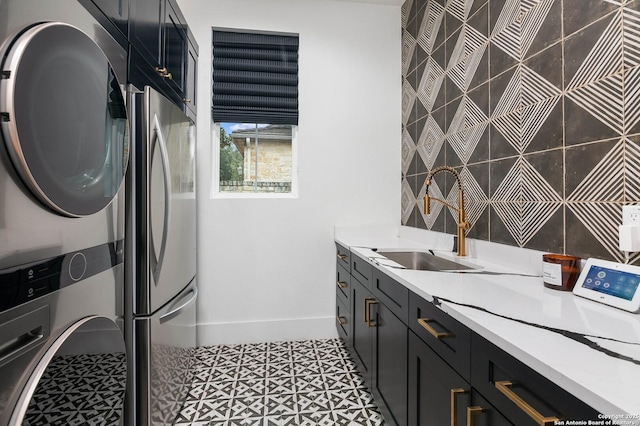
616,283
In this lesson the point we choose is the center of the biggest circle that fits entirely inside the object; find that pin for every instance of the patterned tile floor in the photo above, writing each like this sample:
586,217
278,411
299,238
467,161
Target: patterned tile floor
311,382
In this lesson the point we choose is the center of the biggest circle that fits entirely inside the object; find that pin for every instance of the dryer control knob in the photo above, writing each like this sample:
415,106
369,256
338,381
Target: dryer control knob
77,266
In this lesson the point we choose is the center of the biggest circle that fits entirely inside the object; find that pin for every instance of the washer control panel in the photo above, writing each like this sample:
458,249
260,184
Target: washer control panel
24,283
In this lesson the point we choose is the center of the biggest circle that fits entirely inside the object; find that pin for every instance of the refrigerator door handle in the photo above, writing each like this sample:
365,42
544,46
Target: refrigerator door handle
158,140
192,295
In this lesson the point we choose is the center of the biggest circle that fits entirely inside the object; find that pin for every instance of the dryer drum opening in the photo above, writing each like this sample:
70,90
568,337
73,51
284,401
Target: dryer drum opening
75,158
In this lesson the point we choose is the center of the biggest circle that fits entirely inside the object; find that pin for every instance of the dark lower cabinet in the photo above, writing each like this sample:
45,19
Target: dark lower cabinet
343,322
439,396
431,386
520,393
424,368
380,351
389,378
362,337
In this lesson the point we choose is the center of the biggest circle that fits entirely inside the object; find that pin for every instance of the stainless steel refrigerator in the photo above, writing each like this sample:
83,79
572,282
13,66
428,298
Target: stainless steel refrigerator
160,259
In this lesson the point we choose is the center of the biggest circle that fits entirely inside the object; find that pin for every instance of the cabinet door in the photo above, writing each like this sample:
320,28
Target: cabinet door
117,11
343,284
450,339
113,15
389,377
480,412
142,74
524,396
344,256
145,25
343,322
174,47
391,293
362,338
190,93
362,270
438,395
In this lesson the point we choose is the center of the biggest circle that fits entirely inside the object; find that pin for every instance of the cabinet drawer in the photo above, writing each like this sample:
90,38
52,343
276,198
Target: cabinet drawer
446,336
343,285
344,256
361,269
524,396
392,294
343,322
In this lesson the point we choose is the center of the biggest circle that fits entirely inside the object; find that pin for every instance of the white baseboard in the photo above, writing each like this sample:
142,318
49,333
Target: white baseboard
266,331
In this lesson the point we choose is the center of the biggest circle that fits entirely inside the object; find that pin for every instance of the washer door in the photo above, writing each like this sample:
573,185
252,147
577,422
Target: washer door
81,378
63,119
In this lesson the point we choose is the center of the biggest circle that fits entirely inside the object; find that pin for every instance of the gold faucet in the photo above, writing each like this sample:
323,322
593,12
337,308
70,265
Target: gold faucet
462,221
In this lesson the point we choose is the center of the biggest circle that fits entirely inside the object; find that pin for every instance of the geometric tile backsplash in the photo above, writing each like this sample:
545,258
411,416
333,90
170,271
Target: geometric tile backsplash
536,103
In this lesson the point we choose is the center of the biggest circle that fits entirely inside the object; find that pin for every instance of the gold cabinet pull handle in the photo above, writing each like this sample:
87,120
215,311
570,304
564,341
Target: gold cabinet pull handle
342,256
367,311
471,412
187,100
454,406
342,284
164,73
341,320
504,387
424,323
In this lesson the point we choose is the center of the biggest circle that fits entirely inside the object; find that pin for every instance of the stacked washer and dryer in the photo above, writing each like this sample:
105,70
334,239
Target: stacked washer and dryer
97,228
63,156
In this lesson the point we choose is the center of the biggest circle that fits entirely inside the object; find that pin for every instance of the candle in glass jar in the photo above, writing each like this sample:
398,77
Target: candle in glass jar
559,271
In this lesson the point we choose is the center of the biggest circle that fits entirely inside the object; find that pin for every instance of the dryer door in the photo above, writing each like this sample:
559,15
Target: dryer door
63,119
80,379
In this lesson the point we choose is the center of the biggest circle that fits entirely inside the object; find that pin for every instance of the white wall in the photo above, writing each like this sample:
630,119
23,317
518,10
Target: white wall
266,267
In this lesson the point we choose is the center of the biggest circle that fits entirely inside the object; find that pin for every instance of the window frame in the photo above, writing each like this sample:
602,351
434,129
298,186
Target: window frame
215,170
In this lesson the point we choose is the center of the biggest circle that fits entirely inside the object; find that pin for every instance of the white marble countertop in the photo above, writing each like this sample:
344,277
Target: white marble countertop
589,349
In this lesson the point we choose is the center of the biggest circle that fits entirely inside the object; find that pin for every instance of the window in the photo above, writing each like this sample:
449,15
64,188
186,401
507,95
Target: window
255,80
256,158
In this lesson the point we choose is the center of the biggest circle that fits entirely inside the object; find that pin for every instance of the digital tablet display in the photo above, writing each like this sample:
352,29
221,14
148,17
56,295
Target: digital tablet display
613,282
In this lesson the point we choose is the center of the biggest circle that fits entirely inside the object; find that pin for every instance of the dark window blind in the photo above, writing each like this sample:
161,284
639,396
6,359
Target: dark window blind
255,78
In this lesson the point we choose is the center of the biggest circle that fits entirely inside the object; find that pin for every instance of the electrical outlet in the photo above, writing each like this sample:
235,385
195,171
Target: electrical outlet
631,215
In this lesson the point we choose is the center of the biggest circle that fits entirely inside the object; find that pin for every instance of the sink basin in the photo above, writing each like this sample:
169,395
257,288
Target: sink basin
424,261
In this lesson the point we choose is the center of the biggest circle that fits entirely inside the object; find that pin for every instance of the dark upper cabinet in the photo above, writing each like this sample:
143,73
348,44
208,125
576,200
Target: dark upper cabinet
113,15
163,55
141,74
145,29
191,82
174,47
